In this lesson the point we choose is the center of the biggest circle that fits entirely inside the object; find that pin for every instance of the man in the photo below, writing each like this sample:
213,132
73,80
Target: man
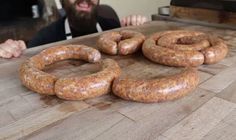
83,17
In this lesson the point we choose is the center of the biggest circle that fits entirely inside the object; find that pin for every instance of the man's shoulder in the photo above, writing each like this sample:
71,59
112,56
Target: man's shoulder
51,33
107,17
56,26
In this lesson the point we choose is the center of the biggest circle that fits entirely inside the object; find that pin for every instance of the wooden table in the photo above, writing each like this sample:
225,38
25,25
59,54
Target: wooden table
209,113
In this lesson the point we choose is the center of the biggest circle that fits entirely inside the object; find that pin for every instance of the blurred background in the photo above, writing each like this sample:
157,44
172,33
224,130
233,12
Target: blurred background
22,19
143,7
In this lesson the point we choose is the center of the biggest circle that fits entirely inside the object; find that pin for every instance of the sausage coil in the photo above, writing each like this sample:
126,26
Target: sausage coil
123,43
32,75
184,48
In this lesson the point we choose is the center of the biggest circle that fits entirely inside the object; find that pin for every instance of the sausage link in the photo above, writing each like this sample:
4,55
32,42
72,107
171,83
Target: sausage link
132,42
37,80
184,41
97,84
171,57
123,43
184,48
157,90
216,53
107,42
32,76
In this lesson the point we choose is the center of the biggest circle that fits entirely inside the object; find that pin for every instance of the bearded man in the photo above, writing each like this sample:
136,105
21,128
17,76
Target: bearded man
83,17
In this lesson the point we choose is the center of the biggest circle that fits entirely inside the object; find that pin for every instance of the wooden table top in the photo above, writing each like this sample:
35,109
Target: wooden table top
208,113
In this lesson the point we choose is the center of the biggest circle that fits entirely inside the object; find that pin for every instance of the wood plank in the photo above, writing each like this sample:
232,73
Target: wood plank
5,118
161,138
107,102
19,108
83,126
142,70
220,81
228,61
225,130
9,71
11,89
125,129
41,101
138,111
202,121
15,61
204,76
8,84
212,69
230,32
231,118
16,106
40,119
229,93
222,131
148,121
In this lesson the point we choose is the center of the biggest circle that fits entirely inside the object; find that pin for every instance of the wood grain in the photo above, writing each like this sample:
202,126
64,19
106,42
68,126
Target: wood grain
39,120
220,81
200,122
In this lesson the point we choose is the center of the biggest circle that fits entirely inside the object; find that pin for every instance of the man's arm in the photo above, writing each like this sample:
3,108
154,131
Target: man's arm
49,34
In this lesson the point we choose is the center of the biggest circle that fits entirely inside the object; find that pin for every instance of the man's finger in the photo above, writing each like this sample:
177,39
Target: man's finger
139,20
13,48
134,20
128,21
123,23
144,19
4,54
20,48
9,41
9,51
22,44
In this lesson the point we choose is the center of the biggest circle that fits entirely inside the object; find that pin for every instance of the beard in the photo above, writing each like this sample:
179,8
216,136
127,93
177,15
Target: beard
83,21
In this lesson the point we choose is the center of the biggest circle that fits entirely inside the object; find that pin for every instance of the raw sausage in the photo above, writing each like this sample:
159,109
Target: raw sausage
32,76
124,42
215,54
97,84
184,48
157,90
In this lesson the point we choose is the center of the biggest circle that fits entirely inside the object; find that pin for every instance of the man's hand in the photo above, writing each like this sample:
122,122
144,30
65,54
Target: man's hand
12,48
133,20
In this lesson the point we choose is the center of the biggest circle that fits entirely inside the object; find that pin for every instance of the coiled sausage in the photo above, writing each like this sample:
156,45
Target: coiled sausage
184,48
32,76
124,42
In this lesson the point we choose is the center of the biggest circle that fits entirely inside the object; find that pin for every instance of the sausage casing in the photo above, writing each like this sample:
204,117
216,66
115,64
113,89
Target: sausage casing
123,43
97,84
157,90
184,48
31,71
171,57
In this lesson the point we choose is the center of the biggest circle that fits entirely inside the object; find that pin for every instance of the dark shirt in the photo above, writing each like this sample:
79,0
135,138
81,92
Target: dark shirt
107,19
